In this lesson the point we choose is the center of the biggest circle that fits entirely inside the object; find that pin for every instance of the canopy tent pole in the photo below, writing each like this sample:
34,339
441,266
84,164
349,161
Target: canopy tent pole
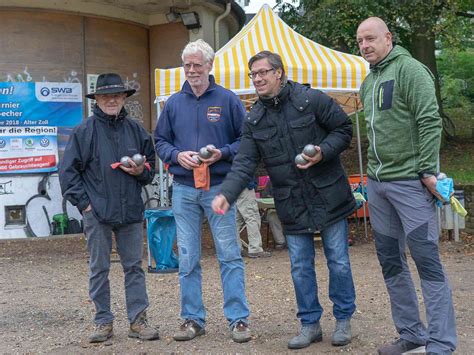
361,169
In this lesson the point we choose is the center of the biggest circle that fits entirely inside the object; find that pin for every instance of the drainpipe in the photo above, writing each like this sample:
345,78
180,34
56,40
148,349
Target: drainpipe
216,25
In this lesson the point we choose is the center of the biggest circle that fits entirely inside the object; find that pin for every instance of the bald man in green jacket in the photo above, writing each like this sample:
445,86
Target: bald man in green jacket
404,132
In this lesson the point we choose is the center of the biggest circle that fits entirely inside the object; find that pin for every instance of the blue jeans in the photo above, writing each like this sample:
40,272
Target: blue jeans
189,207
129,239
341,285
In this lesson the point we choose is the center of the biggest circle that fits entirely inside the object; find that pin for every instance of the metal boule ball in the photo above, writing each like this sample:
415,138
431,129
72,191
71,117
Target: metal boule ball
196,159
299,160
204,153
210,146
309,150
138,159
124,161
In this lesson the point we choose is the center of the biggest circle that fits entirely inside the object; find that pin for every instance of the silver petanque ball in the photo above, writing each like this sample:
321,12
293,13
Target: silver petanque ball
210,146
138,159
309,150
196,159
204,153
124,161
299,160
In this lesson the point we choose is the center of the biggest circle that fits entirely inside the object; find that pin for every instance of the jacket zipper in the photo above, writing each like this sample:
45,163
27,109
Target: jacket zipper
373,130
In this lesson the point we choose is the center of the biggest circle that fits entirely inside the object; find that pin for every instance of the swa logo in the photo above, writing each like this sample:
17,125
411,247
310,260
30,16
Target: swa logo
45,91
44,142
3,143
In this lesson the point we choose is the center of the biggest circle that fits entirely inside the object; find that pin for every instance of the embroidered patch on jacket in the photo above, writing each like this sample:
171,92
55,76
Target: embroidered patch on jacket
214,113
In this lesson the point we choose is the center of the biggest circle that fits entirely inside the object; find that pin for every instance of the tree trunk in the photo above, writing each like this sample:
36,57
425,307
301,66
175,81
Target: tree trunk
423,49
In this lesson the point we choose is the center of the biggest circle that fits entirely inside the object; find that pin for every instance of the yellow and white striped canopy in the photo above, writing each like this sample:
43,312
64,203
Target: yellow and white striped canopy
305,61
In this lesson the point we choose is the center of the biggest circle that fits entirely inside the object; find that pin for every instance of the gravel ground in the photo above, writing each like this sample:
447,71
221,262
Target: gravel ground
45,308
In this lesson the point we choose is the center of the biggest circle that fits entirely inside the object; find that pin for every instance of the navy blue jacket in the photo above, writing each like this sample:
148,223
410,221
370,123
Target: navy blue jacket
188,122
85,173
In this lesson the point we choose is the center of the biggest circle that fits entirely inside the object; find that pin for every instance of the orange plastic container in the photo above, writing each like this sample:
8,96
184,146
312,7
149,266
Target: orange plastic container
354,181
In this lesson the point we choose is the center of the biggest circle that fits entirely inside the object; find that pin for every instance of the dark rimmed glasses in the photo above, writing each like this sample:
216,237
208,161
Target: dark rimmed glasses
261,73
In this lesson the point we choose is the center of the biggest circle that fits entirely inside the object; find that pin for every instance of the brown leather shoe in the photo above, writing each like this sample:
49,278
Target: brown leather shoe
142,330
102,332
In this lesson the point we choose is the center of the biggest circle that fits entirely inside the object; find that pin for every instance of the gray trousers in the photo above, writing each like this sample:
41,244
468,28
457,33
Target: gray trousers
276,227
248,215
129,240
403,213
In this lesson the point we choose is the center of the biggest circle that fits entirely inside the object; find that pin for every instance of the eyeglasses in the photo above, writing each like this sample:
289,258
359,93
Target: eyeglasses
261,73
188,66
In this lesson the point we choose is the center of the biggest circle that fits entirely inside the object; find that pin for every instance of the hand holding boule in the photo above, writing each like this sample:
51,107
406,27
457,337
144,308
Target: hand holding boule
124,161
138,159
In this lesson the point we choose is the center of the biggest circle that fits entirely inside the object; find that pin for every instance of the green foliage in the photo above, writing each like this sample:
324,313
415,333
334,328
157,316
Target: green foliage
456,69
334,23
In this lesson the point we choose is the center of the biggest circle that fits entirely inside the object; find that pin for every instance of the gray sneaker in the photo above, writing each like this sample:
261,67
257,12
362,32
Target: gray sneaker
241,332
102,332
308,334
142,330
342,334
188,330
398,347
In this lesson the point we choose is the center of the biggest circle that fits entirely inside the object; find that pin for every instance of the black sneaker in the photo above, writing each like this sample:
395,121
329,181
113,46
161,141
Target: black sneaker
398,347
188,331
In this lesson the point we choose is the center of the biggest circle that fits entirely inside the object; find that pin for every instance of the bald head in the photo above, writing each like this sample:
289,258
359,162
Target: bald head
375,23
374,39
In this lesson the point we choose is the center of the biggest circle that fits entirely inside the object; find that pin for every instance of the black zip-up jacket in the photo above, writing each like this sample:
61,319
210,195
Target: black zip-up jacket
85,173
276,130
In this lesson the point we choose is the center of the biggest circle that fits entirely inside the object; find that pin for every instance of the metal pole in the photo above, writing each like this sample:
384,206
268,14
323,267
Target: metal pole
160,164
361,170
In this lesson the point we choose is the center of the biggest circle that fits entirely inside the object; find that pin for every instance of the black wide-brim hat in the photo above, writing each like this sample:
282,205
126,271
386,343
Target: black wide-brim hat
110,83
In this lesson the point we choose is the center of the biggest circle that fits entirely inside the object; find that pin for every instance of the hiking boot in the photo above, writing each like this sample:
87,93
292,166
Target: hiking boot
241,332
142,330
102,332
189,330
342,334
308,334
260,254
398,347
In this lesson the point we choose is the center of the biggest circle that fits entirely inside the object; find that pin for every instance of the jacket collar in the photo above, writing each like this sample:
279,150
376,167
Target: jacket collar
188,90
102,116
396,52
293,92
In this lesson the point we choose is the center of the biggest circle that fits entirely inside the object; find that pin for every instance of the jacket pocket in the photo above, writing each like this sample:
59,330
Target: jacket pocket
303,130
385,95
283,204
335,191
267,142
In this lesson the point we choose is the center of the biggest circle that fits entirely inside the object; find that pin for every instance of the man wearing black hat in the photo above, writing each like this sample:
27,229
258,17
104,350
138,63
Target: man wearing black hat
109,197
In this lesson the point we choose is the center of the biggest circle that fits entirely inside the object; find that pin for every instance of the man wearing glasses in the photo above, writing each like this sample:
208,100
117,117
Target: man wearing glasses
203,113
309,197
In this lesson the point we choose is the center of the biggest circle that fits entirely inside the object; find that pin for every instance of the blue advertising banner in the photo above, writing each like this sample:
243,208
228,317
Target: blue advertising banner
28,149
40,104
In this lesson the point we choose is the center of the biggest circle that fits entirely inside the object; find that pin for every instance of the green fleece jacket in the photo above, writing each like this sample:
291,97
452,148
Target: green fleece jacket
401,112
